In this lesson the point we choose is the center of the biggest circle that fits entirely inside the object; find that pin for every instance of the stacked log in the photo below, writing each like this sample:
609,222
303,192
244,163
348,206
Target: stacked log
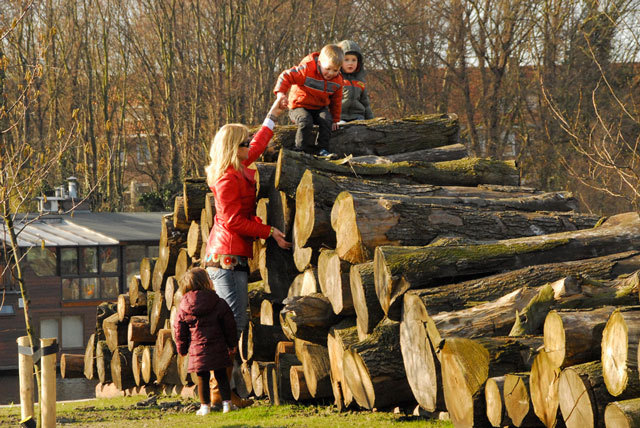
417,275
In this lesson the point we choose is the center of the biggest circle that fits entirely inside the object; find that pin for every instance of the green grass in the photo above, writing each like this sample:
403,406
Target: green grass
123,412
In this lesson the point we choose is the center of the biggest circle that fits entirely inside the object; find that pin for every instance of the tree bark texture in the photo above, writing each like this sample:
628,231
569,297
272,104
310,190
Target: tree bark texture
364,298
308,318
436,154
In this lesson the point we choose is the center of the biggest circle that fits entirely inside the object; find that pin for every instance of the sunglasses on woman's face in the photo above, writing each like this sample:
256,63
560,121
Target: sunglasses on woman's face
247,142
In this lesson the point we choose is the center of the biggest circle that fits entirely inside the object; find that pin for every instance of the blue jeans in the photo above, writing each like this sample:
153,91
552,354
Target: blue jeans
232,286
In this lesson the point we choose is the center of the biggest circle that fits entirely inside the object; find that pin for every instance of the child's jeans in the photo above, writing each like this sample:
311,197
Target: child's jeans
304,120
232,287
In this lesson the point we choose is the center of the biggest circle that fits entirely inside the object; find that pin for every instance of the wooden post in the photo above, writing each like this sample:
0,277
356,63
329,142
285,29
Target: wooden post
25,373
48,405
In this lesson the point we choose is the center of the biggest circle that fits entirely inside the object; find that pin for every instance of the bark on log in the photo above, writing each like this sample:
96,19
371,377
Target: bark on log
121,371
195,191
312,221
262,341
126,309
205,229
304,284
543,384
380,136
307,318
364,298
436,154
103,361
341,337
170,235
453,297
285,359
194,239
138,332
421,368
467,364
280,211
463,172
623,414
517,401
374,370
317,369
299,389
583,395
147,264
494,398
210,209
146,365
90,357
264,178
363,221
574,337
398,269
268,378
333,277
256,297
179,218
71,366
620,351
137,295
115,332
136,364
103,311
276,269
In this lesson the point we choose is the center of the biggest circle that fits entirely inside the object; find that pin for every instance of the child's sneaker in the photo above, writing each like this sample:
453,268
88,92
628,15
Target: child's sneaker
204,410
326,154
228,406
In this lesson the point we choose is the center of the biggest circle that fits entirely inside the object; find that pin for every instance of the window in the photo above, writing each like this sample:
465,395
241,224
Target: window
72,332
49,328
68,261
133,255
109,259
42,261
7,310
88,260
90,273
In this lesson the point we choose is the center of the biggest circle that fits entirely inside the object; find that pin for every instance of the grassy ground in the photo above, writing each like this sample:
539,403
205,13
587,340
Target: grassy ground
169,412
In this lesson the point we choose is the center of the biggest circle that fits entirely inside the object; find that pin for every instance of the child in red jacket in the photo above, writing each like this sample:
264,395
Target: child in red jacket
205,328
315,97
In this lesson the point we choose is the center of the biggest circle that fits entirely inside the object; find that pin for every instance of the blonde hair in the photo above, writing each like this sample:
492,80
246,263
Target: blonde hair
224,150
196,279
331,54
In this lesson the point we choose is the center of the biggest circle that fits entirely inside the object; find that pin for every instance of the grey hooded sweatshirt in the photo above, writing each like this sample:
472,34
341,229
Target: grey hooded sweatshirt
355,99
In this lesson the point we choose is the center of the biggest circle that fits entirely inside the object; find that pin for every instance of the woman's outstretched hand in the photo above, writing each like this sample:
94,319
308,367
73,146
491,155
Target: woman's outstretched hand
279,105
279,237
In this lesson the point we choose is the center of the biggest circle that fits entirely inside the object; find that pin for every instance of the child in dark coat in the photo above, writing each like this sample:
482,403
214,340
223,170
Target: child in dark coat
205,328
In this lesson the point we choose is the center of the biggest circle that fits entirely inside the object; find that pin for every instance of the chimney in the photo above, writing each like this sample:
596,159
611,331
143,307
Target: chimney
73,187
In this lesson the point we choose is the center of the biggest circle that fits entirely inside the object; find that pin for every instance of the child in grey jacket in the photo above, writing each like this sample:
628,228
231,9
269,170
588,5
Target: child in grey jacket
355,99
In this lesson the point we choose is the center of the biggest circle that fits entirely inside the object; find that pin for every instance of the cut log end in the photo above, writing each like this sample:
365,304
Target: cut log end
493,398
574,400
544,389
356,374
516,397
554,338
348,240
303,224
614,354
622,414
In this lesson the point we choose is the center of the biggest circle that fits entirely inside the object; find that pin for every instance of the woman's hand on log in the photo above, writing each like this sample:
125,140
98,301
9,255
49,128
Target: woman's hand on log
280,239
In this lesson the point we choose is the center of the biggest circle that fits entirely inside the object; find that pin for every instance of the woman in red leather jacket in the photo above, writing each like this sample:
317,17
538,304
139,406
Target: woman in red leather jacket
236,226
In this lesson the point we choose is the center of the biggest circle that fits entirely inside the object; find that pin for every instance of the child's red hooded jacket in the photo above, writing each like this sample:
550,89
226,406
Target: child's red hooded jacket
309,89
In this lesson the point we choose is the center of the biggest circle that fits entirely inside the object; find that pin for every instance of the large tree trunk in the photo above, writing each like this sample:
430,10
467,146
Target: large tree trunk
103,361
285,359
380,136
620,351
158,314
139,333
494,398
363,221
121,371
317,369
341,337
333,276
436,154
146,365
136,364
195,191
147,265
264,178
304,284
115,332
463,172
194,239
166,367
623,414
466,366
574,336
137,293
543,383
308,318
454,297
299,389
583,396
90,357
127,310
71,366
374,370
277,269
262,341
517,401
398,269
364,298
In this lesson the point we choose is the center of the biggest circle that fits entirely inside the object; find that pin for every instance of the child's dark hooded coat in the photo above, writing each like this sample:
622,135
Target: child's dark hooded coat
206,329
355,98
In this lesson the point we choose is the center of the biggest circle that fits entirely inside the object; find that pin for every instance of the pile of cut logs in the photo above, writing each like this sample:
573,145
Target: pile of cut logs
418,275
